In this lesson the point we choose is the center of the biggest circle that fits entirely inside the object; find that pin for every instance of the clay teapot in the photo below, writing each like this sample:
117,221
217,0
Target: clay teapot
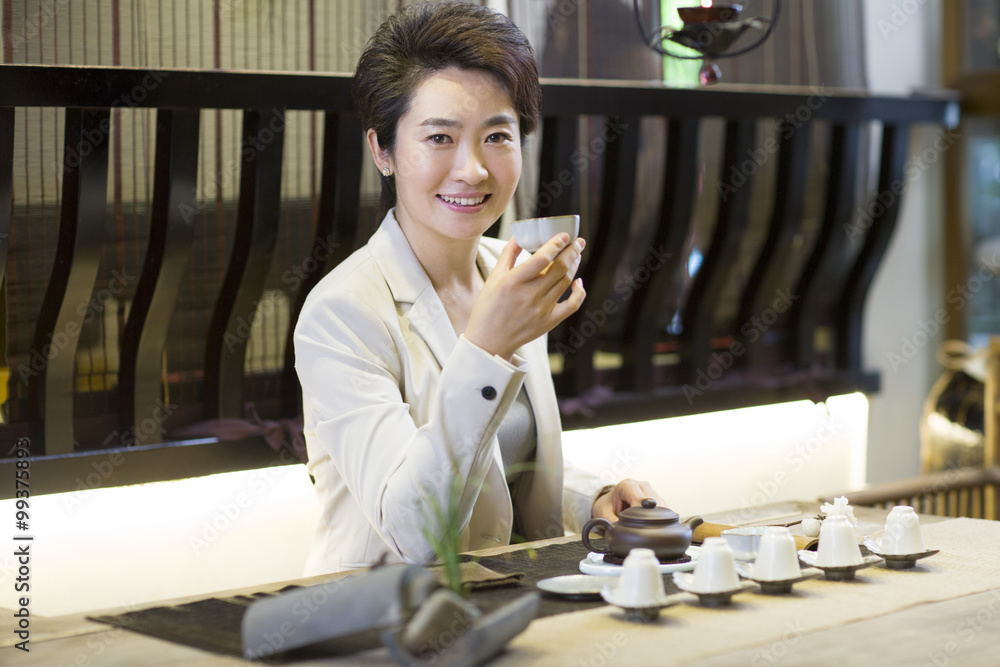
648,526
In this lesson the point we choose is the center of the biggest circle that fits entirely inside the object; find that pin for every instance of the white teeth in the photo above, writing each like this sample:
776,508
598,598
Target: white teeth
461,201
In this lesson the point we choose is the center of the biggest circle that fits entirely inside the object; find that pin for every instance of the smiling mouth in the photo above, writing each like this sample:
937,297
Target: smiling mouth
464,201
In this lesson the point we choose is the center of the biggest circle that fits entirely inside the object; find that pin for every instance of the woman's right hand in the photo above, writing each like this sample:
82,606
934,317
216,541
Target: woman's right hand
520,302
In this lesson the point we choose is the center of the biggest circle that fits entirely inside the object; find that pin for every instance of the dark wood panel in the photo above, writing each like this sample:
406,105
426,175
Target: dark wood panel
172,224
253,249
67,86
645,308
6,185
557,181
82,472
826,269
52,362
763,286
336,229
698,321
605,247
874,228
52,85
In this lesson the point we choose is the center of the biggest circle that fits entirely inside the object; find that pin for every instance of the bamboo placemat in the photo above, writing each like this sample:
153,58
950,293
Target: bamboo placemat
213,624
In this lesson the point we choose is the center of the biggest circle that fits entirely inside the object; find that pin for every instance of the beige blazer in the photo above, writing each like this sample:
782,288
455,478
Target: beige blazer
397,408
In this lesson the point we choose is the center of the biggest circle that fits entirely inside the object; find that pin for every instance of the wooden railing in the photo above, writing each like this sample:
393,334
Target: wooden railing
661,347
963,492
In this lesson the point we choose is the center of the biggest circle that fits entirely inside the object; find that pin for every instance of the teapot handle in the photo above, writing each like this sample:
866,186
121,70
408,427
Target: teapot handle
599,523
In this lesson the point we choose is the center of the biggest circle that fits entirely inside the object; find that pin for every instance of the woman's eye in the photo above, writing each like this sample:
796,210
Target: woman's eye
498,137
438,138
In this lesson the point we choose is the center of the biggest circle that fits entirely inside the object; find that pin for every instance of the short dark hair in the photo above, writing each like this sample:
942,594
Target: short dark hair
424,38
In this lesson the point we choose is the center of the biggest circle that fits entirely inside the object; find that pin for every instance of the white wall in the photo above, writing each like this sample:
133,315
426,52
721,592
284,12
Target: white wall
126,546
738,459
903,44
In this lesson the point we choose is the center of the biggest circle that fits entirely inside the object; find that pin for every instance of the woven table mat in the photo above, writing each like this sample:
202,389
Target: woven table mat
213,624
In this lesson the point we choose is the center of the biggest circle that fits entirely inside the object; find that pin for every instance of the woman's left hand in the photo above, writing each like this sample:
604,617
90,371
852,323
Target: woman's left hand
626,493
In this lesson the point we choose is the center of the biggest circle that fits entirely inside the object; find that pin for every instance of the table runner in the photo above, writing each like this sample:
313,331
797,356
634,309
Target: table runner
213,624
969,562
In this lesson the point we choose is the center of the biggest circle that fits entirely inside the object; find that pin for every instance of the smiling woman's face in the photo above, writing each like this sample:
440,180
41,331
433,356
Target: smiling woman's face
457,157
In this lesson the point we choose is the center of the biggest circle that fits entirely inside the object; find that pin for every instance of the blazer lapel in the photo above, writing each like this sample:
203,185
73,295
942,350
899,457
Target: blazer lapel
410,287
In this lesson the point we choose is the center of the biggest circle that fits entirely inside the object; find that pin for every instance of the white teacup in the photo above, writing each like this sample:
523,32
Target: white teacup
641,584
744,541
838,545
902,532
715,570
533,233
777,557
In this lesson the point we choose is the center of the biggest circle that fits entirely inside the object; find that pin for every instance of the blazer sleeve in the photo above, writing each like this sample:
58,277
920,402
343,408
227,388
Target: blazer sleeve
580,489
351,369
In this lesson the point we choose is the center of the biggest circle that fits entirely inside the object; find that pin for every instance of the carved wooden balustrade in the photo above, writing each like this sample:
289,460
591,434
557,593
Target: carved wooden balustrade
660,335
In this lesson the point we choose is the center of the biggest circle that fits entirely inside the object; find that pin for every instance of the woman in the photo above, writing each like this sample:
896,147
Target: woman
423,356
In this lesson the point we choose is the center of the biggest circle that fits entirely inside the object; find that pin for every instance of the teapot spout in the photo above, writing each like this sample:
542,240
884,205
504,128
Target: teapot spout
693,521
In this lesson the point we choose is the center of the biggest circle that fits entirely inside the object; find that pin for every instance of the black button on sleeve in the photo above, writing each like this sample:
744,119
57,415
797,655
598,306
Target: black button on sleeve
489,393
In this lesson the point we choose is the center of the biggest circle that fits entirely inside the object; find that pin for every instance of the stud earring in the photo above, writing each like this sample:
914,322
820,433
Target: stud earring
386,172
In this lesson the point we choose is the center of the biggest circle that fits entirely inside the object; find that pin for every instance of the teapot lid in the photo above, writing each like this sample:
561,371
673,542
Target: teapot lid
647,514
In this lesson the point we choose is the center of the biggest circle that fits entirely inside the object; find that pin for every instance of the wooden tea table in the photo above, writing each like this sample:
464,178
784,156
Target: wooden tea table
945,611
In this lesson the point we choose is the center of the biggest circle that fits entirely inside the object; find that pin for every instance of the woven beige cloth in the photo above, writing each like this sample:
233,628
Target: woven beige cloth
969,562
478,577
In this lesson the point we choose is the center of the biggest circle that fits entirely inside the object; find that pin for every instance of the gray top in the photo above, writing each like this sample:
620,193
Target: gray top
518,441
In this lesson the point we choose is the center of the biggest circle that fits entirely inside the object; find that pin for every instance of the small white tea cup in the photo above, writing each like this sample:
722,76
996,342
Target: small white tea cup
533,233
641,584
777,556
715,570
838,545
744,541
902,533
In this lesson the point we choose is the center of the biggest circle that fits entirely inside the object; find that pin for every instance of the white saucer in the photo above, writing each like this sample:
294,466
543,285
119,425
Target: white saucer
645,613
594,564
685,582
576,586
895,561
773,586
837,572
610,595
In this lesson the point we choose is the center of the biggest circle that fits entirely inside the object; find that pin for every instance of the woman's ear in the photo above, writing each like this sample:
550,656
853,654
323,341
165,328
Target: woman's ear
381,157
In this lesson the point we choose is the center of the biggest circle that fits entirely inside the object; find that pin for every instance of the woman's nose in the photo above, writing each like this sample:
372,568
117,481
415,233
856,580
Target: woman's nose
469,166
